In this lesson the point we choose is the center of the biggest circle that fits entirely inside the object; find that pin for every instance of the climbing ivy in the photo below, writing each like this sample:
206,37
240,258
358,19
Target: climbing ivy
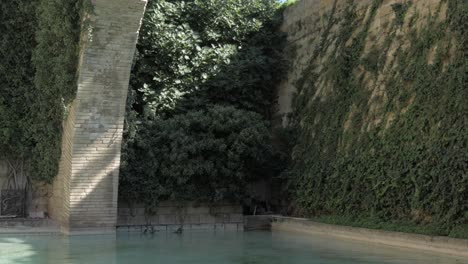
401,153
400,10
40,47
18,27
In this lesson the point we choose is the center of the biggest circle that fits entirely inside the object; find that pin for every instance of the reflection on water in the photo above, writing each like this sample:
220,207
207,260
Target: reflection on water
204,248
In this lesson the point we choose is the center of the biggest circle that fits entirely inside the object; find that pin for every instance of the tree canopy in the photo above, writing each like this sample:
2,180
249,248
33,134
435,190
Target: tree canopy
202,92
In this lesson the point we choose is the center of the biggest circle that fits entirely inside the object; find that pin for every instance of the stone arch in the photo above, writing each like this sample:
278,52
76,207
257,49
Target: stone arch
85,191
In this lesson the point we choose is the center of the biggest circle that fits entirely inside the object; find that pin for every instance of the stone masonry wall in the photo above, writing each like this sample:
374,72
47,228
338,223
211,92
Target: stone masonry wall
170,216
85,191
304,24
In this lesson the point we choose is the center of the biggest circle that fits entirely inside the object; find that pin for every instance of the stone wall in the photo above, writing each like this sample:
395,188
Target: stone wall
304,23
85,191
170,216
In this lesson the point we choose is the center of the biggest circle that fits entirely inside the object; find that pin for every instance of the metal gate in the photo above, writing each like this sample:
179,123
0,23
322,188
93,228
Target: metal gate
13,190
13,203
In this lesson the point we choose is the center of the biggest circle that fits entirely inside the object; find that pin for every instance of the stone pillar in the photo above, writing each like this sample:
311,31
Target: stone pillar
85,191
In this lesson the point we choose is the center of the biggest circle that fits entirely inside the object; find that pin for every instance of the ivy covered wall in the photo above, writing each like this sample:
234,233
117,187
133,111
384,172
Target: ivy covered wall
39,57
379,105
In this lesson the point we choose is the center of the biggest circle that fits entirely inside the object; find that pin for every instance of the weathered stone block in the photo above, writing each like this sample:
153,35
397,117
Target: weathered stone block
222,218
236,218
231,227
202,227
207,219
192,219
198,210
167,219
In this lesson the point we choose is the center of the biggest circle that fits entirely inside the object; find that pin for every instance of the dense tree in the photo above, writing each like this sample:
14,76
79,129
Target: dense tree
191,53
206,155
202,90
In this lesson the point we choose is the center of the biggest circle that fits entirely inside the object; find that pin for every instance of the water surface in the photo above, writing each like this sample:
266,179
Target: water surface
205,247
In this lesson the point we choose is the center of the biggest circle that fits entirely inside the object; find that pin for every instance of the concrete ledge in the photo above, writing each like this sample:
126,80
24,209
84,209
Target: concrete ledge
88,231
174,227
257,222
444,245
189,214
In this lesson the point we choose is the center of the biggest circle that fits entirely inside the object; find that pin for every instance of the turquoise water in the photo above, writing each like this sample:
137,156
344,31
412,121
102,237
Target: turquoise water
204,248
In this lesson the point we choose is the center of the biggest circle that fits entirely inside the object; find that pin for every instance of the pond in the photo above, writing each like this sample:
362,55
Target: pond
204,247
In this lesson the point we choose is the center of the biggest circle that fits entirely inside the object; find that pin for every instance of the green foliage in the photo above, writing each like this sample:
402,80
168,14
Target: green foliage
288,3
206,155
56,60
408,168
429,229
41,46
400,10
202,87
191,53
16,76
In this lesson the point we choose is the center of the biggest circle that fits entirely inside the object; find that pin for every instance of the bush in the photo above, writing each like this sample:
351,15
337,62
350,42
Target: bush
202,90
207,155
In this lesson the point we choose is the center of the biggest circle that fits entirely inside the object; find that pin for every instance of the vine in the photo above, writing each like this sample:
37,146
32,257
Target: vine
43,39
400,10
400,154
